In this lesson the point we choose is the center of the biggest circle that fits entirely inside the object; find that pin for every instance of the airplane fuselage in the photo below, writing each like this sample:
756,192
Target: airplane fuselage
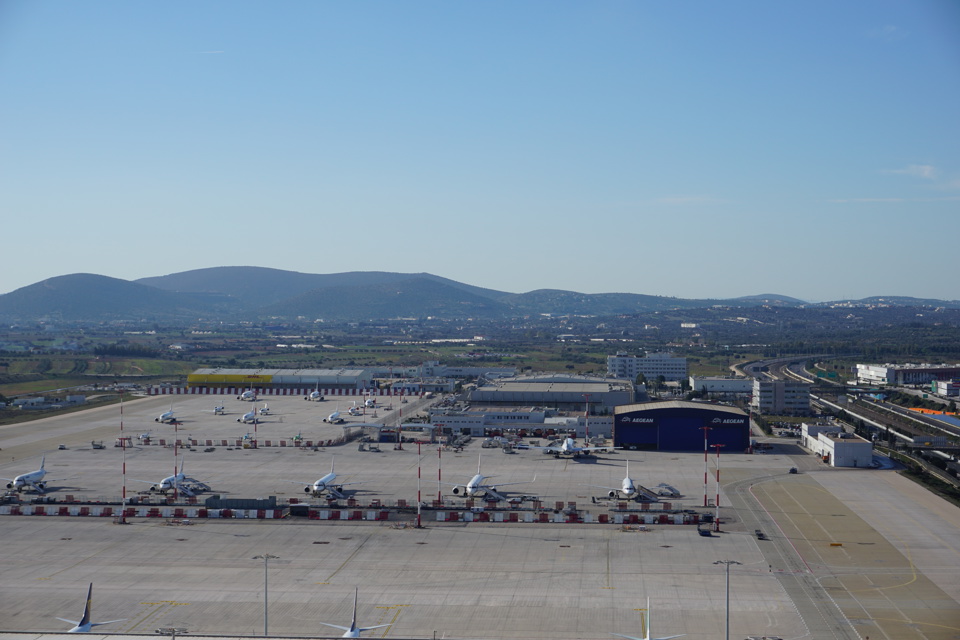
323,483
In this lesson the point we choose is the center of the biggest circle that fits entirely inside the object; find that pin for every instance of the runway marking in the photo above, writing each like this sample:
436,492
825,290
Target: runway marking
399,608
349,558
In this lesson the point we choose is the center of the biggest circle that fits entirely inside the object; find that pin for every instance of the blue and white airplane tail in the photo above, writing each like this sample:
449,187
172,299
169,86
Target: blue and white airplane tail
353,631
83,625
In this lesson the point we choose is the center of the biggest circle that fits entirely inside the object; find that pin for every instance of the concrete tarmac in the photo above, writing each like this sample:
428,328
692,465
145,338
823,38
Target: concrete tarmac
851,554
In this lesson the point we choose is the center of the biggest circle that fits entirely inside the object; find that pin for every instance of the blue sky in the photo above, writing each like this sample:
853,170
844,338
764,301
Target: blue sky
694,149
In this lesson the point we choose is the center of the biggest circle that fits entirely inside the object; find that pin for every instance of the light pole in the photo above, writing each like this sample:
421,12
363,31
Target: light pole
266,557
728,563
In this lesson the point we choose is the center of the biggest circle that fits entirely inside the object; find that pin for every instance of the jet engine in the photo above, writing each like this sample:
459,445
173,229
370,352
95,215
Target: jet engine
612,494
10,485
457,491
41,485
155,487
308,488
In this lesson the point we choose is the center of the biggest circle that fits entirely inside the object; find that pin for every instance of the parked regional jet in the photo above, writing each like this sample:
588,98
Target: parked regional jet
334,418
476,486
370,403
569,448
327,483
249,395
353,631
33,479
166,416
219,410
265,411
646,631
627,489
248,417
355,410
83,625
176,482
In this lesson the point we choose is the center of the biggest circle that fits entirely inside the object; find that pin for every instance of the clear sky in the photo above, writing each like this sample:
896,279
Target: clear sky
690,149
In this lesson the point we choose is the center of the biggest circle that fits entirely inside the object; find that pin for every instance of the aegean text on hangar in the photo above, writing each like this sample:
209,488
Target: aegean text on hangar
677,425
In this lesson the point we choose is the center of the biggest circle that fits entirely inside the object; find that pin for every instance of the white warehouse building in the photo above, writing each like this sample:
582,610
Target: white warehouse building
781,397
836,447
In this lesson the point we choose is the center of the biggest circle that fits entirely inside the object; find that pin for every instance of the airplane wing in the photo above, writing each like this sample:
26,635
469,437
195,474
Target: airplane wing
619,635
75,623
371,628
97,624
600,486
336,626
508,484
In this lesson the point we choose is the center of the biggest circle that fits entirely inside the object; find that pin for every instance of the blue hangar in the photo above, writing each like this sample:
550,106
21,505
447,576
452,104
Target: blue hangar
676,425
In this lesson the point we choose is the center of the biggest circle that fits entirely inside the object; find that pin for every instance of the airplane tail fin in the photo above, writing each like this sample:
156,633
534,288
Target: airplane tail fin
182,459
356,596
86,607
479,458
43,460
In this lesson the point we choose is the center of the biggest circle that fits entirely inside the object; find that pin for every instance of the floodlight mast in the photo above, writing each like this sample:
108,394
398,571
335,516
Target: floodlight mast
265,557
727,563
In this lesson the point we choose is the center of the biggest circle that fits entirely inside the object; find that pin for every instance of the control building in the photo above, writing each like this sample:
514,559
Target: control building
721,385
652,366
677,425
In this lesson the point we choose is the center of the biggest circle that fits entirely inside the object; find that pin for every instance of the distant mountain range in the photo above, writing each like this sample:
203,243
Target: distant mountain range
257,293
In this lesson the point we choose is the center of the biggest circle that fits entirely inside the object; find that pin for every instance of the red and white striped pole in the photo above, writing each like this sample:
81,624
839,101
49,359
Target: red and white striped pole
419,460
705,465
123,473
717,517
439,489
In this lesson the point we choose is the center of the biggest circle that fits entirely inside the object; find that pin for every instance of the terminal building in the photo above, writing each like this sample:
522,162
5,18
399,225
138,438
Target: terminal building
559,391
677,425
487,421
269,379
652,366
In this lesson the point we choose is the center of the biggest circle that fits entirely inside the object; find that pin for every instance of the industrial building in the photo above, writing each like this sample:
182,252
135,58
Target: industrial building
904,374
677,425
558,391
781,397
652,366
946,387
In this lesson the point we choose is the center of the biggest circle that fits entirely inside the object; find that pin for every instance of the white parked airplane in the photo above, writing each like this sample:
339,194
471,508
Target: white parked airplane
219,410
249,395
176,481
34,479
327,483
646,631
569,448
83,625
353,631
166,416
315,395
477,486
627,489
248,417
265,411
355,410
370,403
334,418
